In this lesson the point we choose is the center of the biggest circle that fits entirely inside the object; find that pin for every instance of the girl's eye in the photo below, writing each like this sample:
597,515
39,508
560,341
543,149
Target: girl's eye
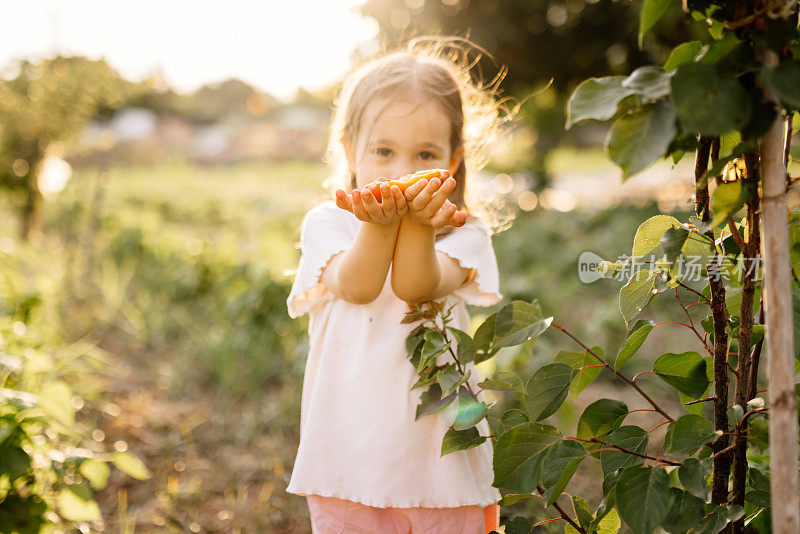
427,155
384,152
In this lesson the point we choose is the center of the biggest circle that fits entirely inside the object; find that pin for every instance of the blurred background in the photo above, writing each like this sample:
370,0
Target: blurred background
156,159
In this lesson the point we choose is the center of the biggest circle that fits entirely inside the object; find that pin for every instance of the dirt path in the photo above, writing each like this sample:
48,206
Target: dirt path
218,464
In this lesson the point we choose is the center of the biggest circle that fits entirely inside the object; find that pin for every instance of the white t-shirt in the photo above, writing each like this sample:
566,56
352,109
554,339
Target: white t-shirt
358,437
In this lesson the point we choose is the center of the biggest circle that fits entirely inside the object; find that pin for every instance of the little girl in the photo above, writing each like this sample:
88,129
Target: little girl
364,463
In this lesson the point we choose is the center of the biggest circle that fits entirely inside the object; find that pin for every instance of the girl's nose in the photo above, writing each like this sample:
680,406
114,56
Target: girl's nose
403,169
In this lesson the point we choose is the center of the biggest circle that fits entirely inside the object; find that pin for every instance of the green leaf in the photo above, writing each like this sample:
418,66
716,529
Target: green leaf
484,334
518,322
561,464
714,522
433,346
648,234
690,433
459,440
130,464
652,10
55,399
686,512
450,378
585,366
75,503
582,511
759,494
610,524
503,381
644,498
14,462
519,525
519,454
784,80
636,294
638,139
649,82
601,417
707,102
606,508
719,50
95,471
637,335
431,401
513,418
727,199
414,339
546,390
465,345
683,53
686,372
693,474
672,242
631,438
596,98
513,498
470,411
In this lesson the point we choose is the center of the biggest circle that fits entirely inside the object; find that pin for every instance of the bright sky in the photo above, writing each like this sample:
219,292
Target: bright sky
277,45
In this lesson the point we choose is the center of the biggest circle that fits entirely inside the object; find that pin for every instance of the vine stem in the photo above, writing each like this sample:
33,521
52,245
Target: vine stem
693,290
564,515
653,403
443,331
691,323
613,447
700,400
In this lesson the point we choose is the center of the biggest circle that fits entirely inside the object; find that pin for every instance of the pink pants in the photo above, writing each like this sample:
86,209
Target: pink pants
331,515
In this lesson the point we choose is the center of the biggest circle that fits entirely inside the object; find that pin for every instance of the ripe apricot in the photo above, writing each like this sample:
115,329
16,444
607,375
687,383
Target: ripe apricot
404,182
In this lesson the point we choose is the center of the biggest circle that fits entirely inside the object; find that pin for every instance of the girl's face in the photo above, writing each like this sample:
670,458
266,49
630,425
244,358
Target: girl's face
401,136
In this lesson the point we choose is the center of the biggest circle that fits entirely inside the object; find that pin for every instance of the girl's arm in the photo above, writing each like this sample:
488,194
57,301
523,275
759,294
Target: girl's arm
359,273
419,272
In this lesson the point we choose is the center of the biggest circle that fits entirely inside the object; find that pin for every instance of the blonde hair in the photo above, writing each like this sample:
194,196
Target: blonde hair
434,67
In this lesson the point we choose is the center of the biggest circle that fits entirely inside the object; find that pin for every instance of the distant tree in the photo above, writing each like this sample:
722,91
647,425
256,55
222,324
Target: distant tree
48,101
230,99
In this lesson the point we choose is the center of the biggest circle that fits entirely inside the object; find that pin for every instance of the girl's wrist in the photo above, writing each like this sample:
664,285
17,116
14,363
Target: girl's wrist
413,221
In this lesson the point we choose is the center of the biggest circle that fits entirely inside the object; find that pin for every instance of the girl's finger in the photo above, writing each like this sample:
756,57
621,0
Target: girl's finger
399,201
374,210
343,200
414,190
458,219
440,197
388,203
424,197
358,206
442,217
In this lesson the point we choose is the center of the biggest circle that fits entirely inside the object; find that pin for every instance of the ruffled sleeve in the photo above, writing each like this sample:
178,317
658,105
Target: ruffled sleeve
471,246
323,234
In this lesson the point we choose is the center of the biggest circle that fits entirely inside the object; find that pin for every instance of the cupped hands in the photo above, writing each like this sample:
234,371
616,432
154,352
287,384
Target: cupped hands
425,202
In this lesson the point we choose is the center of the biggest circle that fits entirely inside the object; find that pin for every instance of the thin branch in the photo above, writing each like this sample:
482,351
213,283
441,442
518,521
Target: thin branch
693,290
615,447
700,400
610,368
708,148
691,323
737,237
788,144
564,515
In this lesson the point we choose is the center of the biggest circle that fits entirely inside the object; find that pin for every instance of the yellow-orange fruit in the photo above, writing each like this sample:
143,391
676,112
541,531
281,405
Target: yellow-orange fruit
404,182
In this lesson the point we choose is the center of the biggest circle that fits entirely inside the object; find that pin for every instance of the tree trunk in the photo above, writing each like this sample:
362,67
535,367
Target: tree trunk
722,463
32,210
779,331
743,368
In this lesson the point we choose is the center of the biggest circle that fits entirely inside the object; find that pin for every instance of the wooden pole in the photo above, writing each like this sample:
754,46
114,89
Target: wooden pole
779,331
